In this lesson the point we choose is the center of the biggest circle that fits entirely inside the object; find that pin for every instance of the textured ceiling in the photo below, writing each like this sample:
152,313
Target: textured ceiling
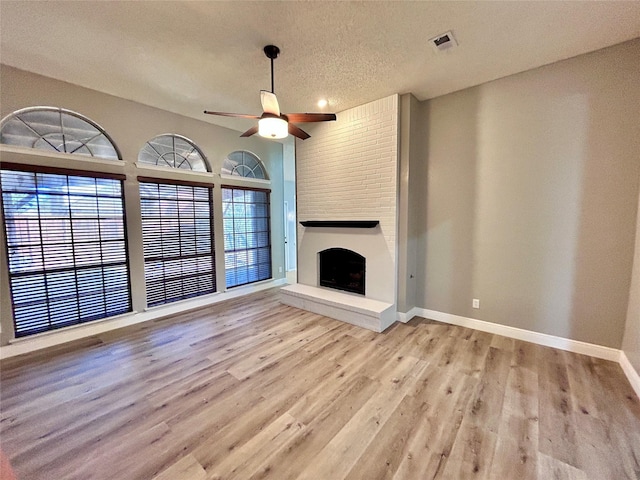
188,56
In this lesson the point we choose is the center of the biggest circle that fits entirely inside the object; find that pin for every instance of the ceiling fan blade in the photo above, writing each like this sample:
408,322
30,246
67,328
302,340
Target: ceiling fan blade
269,102
298,132
253,130
240,115
310,117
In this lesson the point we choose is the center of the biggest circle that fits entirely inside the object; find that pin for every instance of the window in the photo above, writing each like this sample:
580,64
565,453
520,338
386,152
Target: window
58,130
244,164
173,151
177,234
247,240
177,224
66,247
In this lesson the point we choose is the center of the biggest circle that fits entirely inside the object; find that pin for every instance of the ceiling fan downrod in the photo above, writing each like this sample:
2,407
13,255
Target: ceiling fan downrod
271,51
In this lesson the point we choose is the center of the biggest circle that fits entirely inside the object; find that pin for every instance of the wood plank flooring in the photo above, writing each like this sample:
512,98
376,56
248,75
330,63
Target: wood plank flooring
253,389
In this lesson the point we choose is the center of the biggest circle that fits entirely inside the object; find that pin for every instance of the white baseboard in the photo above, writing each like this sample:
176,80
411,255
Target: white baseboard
58,337
630,372
569,345
405,317
49,339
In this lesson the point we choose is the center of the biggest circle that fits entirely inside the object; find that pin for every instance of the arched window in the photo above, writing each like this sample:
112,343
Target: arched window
244,164
64,228
58,130
176,151
177,223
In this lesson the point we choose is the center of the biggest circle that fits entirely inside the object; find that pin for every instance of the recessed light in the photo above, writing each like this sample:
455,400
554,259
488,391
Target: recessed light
322,103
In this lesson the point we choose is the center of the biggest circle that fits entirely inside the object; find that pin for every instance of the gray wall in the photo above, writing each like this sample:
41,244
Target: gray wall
531,192
130,124
411,153
631,340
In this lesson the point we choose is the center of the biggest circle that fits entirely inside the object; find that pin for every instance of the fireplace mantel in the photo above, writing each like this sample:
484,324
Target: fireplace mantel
341,223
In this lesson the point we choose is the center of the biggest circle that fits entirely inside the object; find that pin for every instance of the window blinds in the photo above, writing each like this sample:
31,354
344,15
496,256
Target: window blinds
66,244
178,241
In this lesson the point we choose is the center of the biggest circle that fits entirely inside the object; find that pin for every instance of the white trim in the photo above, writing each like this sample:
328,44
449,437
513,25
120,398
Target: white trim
567,344
173,173
228,176
406,317
45,158
575,346
51,339
630,372
121,317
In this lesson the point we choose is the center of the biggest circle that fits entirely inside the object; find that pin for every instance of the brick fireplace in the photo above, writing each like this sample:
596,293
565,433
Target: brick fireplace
346,172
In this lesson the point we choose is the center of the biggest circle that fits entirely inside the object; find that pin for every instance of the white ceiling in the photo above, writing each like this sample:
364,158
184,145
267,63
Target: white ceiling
187,56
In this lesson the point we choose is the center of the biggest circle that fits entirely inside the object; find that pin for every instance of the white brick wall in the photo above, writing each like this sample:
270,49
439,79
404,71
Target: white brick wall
347,170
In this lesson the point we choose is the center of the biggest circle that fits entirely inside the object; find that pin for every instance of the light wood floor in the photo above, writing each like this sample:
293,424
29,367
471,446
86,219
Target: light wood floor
253,389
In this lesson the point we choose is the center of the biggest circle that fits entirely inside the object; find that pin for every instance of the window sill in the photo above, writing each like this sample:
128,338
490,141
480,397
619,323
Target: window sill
71,328
238,178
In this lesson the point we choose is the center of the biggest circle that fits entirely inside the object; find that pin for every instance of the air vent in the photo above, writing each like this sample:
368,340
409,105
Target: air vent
444,41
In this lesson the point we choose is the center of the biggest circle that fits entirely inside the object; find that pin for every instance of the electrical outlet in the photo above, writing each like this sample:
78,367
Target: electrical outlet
476,303
279,269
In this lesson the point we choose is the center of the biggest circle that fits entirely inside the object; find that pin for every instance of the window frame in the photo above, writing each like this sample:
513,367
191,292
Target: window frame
174,136
39,169
61,111
178,182
232,176
268,223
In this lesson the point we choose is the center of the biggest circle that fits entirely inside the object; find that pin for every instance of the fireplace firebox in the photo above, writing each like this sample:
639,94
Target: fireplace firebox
342,269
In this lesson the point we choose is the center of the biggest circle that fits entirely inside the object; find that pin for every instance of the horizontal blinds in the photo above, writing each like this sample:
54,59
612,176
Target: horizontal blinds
178,241
247,239
66,244
171,181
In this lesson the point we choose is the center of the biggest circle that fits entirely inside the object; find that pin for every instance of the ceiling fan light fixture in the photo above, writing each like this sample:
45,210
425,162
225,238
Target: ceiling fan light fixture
272,123
273,127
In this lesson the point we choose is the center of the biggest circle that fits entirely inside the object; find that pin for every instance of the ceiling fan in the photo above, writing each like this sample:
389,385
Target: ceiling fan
272,123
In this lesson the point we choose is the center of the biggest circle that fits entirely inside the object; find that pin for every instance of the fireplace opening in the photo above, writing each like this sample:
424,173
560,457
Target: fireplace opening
342,269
